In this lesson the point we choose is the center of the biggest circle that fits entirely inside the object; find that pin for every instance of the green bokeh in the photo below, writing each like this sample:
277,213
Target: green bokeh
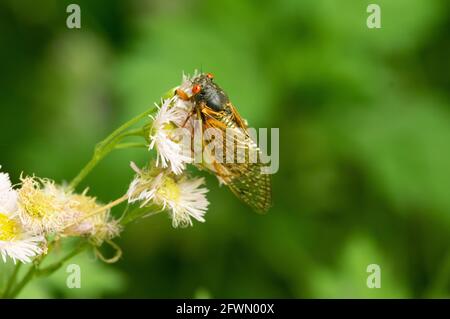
364,138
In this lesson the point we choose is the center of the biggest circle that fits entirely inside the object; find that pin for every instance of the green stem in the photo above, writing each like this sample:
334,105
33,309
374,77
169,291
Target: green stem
12,280
138,212
108,144
126,125
130,145
84,172
29,275
135,132
47,271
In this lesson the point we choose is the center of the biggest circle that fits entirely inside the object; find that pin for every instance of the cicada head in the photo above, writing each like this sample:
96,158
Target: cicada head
205,90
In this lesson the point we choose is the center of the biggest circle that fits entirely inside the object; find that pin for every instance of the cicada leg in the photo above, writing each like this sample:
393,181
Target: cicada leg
183,95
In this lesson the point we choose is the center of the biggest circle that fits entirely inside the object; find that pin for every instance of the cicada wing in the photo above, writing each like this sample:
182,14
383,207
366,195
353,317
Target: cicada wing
238,166
253,187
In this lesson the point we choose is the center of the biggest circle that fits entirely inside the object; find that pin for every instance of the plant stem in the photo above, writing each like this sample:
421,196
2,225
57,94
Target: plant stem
135,132
12,279
47,271
107,145
35,271
130,145
84,172
29,275
139,212
99,210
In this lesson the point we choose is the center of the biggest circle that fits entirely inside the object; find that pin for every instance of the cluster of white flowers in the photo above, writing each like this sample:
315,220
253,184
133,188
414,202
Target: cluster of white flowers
167,185
37,208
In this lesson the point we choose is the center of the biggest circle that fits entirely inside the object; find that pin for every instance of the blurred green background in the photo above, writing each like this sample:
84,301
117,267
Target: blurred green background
364,139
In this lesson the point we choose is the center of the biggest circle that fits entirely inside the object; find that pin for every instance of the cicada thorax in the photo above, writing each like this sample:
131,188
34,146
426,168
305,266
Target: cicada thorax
228,150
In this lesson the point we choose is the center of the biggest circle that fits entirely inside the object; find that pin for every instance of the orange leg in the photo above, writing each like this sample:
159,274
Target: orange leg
183,95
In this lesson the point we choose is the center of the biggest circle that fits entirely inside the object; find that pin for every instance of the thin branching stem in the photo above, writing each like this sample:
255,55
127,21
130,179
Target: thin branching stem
131,145
108,144
12,279
36,271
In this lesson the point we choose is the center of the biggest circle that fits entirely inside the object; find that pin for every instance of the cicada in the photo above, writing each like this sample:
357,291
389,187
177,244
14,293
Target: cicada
246,178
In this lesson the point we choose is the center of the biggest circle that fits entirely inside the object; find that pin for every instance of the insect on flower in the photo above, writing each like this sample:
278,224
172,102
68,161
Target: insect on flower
246,178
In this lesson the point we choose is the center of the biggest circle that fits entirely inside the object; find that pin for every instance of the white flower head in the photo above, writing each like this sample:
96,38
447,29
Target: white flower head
169,137
87,218
42,205
185,198
182,197
15,242
8,196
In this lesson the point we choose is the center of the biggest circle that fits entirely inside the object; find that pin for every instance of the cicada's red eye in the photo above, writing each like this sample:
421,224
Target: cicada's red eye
196,89
210,75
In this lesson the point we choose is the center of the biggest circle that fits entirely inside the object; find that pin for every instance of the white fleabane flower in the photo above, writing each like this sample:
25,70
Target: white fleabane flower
186,199
8,196
15,242
42,205
182,197
87,218
169,137
143,186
